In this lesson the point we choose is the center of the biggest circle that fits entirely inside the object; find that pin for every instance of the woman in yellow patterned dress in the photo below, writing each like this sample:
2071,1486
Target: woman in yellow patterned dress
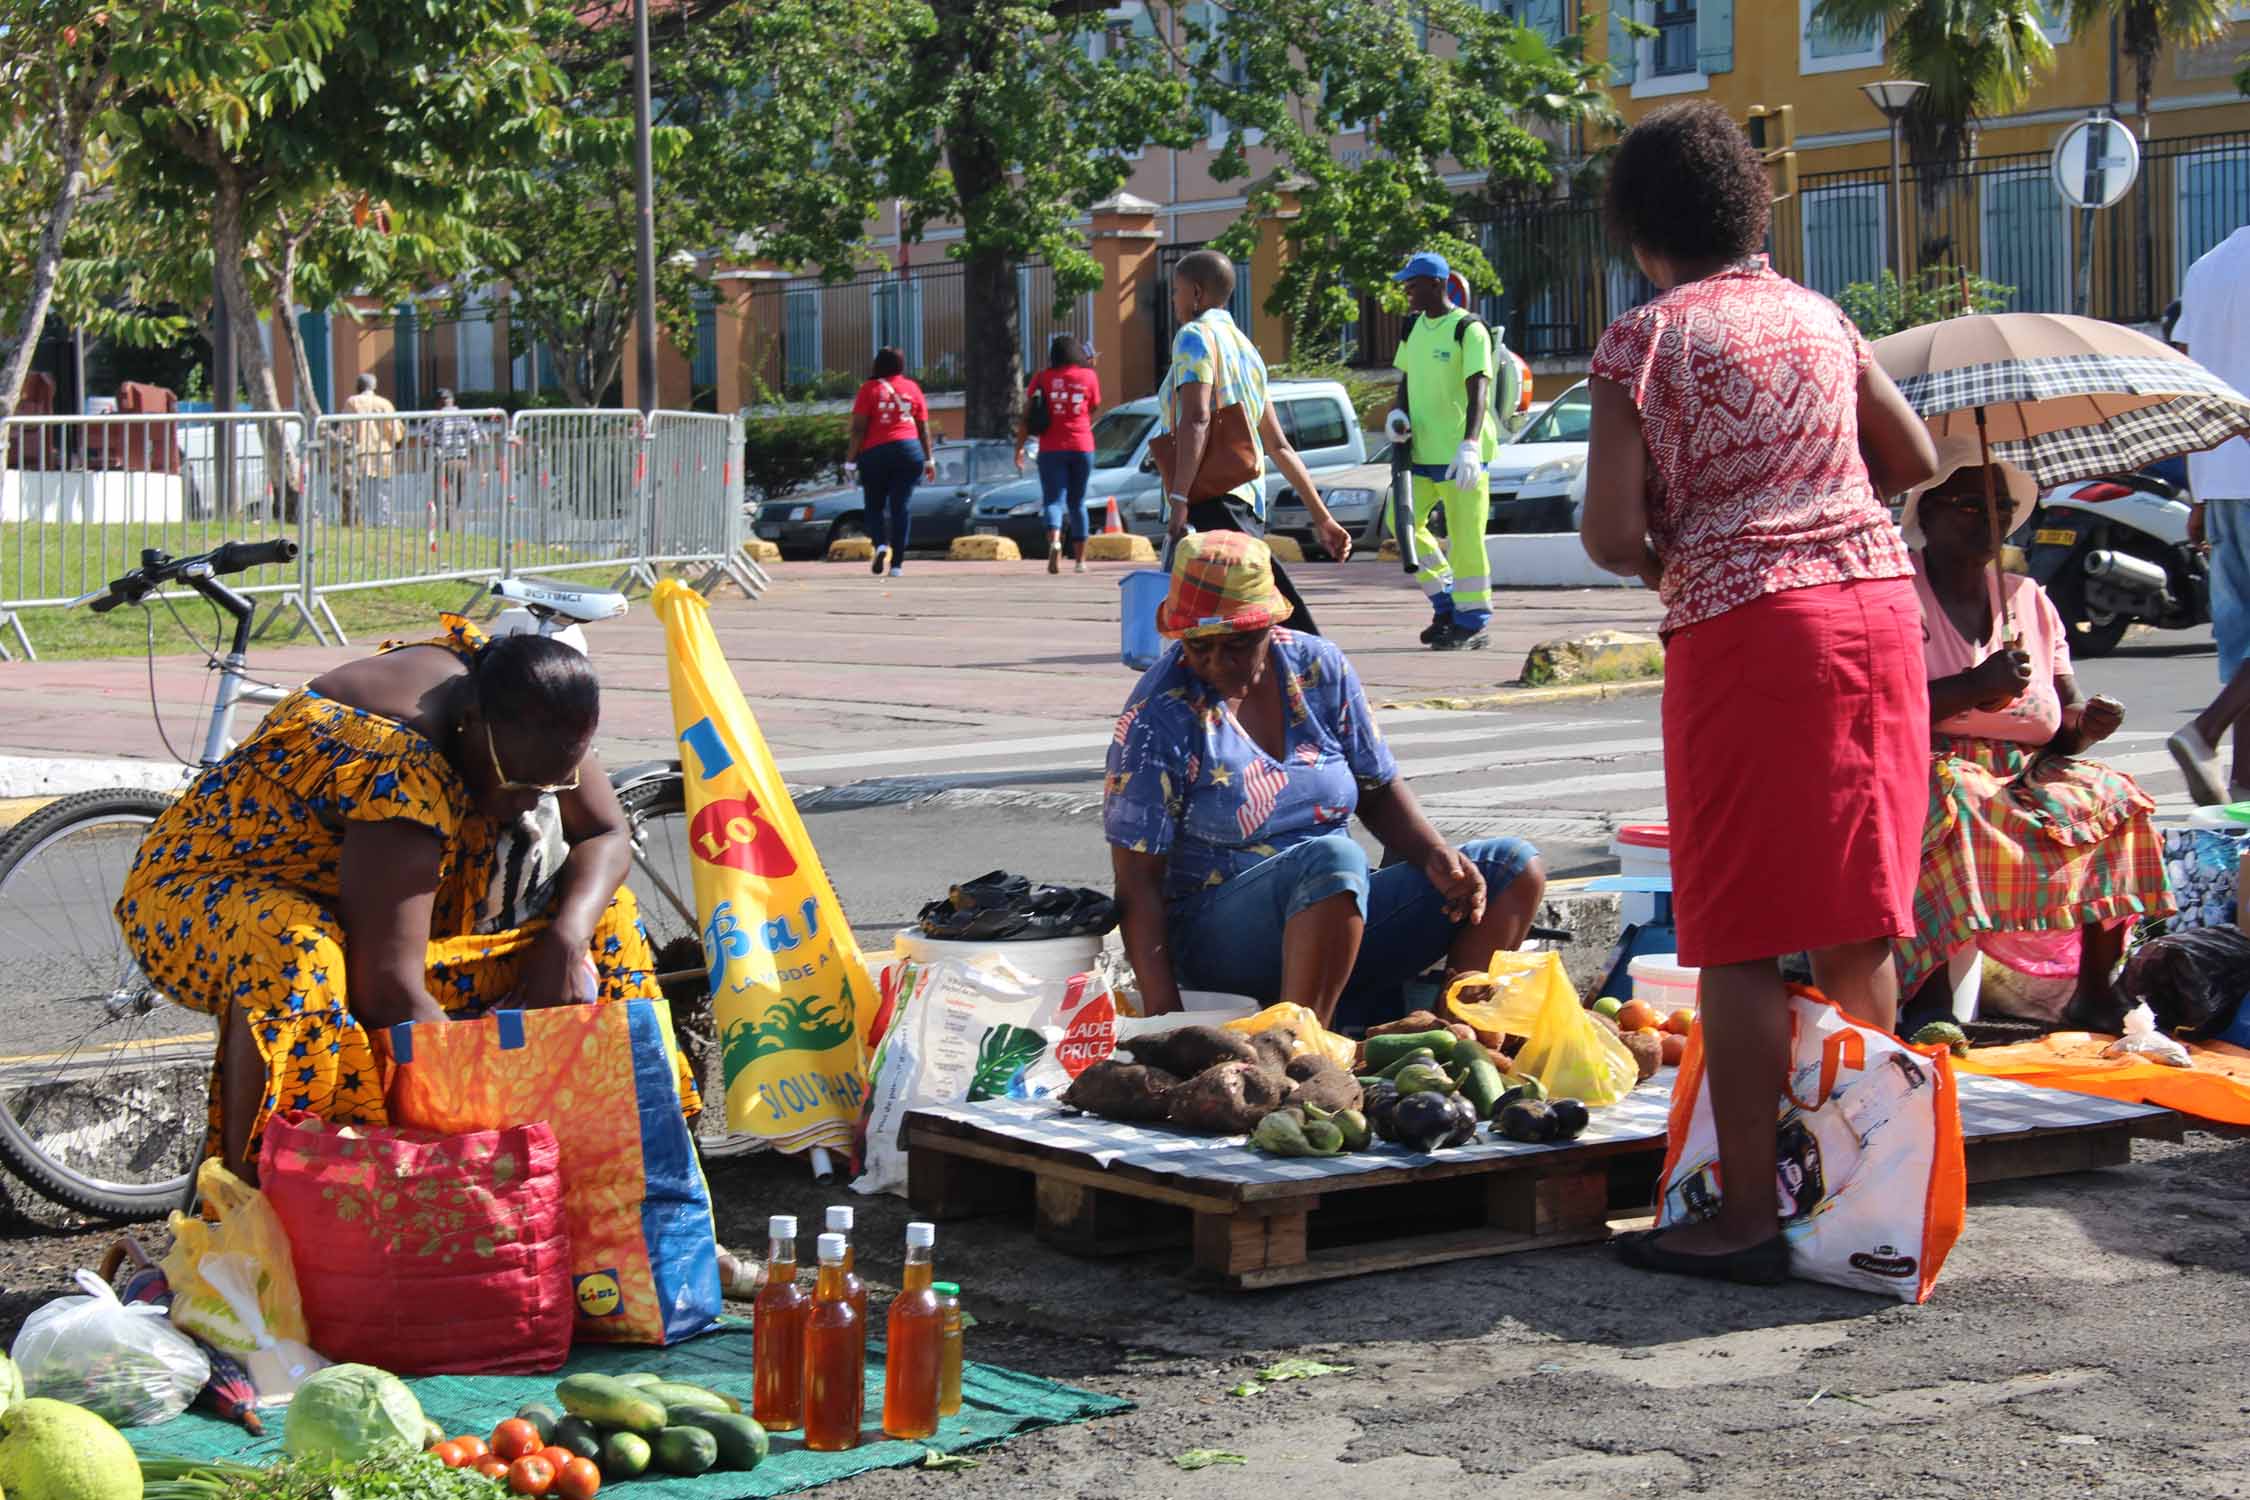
332,873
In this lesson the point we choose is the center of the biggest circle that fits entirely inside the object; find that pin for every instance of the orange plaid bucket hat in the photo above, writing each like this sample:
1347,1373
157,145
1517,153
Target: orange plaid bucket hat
1222,583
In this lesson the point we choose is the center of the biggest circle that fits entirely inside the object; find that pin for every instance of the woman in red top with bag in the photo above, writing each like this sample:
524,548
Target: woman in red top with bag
890,448
1743,441
1062,399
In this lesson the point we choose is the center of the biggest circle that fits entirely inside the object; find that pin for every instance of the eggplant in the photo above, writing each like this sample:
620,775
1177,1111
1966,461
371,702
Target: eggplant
1423,1078
1423,1122
1570,1117
1465,1119
1281,1134
1355,1128
1323,1137
1380,1101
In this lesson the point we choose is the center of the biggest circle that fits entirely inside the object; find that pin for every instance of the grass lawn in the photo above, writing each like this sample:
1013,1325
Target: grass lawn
39,560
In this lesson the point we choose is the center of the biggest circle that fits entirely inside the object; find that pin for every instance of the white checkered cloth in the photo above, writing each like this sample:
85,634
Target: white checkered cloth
1989,1106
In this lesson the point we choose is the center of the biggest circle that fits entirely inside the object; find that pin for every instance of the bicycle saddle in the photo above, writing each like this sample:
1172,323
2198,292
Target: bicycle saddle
569,604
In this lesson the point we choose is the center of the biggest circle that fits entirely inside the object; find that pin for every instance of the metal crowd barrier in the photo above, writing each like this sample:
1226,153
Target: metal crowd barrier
376,500
80,497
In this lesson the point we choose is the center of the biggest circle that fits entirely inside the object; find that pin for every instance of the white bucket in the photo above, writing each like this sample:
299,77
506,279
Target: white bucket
1040,960
1642,849
1659,979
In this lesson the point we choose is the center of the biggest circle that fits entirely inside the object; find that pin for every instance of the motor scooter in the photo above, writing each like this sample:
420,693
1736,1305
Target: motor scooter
2114,552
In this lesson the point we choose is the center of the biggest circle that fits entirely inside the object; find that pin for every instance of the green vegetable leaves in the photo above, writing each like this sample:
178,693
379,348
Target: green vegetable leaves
420,1477
1204,1458
1288,1369
947,1463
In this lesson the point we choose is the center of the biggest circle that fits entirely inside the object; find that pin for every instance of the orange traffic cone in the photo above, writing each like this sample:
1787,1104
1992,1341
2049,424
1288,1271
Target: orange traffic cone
1112,527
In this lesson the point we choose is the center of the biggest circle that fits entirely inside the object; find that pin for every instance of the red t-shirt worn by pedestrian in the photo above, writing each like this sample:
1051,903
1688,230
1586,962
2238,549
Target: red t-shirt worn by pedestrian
1073,394
891,406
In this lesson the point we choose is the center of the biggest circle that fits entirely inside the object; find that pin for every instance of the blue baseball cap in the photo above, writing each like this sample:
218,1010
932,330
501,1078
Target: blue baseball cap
1428,263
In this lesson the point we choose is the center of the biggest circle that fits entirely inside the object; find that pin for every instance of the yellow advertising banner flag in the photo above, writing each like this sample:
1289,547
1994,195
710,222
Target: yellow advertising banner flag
787,977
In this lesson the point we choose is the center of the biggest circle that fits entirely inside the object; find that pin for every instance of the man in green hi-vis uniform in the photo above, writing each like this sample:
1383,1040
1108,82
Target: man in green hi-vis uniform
1445,412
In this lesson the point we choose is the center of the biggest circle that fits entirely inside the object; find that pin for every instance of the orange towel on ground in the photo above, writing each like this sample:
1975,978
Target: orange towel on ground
2216,1087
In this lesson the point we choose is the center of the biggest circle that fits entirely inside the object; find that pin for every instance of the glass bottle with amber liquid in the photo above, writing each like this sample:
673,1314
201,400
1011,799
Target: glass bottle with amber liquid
914,1355
840,1222
949,1362
777,1353
835,1357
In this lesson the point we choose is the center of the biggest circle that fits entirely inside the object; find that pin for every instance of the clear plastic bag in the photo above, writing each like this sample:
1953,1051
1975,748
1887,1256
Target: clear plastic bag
126,1364
2143,1040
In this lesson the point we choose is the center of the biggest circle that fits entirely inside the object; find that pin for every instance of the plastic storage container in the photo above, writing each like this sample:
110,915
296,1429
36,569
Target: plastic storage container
1139,594
1041,960
1659,979
1641,849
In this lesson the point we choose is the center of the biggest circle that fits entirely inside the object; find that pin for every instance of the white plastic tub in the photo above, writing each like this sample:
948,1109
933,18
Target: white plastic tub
1642,849
1041,960
1659,979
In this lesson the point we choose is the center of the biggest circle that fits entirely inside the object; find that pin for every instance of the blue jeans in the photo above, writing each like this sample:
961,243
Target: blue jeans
1229,938
888,473
2226,526
1062,492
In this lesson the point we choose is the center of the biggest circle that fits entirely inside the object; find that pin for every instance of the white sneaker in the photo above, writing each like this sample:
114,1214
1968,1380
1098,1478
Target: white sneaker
2199,765
1079,566
881,555
896,571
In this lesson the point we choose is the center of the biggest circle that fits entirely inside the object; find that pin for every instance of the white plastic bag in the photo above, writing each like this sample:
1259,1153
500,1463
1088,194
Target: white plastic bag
128,1365
2143,1040
960,1033
276,1366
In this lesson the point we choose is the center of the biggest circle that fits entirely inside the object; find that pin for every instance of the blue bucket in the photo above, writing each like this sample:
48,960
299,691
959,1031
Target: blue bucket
2238,1032
1140,594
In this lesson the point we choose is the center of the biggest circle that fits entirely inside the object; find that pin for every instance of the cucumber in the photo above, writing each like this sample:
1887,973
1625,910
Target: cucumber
577,1435
684,1450
678,1397
1418,1055
625,1455
742,1442
542,1417
640,1377
1384,1050
611,1403
1481,1079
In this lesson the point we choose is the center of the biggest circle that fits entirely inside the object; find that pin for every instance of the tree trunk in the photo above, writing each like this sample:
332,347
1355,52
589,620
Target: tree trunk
48,267
228,241
300,358
992,357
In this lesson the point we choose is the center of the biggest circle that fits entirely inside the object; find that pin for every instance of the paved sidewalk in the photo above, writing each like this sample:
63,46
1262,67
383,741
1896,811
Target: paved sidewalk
831,656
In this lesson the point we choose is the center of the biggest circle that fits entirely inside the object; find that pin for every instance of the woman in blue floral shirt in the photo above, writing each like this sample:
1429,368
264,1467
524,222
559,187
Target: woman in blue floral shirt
1237,767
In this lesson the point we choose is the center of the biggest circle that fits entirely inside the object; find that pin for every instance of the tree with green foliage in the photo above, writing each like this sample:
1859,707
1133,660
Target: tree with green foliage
749,115
1976,58
1882,307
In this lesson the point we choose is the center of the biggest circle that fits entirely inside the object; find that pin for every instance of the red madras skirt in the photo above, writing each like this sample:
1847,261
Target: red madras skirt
1796,769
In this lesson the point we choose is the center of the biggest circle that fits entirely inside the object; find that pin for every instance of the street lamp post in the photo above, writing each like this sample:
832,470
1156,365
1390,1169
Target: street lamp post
644,207
1893,96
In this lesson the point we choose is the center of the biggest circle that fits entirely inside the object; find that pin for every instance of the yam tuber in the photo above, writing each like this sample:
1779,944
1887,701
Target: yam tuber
1275,1046
1325,1086
1186,1051
1228,1099
1121,1091
1420,1020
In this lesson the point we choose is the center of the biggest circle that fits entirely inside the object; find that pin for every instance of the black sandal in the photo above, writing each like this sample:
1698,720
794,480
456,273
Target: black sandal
1764,1264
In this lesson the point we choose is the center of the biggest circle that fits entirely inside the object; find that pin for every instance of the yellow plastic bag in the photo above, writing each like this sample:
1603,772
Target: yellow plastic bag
1520,985
1311,1035
1570,1051
246,1227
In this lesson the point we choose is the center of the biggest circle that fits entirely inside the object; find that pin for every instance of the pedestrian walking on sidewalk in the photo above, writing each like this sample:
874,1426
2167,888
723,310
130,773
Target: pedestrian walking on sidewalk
2214,328
1743,442
1058,410
890,454
1214,366
1447,372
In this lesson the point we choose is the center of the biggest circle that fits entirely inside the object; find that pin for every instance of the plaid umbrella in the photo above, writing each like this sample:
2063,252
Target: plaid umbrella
2060,397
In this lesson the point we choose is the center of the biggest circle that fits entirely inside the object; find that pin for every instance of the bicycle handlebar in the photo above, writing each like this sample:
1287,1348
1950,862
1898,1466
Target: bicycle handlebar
156,569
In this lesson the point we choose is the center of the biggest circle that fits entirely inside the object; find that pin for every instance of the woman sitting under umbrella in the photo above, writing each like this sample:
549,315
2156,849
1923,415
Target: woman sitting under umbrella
2024,835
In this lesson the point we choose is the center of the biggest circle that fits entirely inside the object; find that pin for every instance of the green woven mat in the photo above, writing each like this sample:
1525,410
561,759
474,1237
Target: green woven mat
996,1405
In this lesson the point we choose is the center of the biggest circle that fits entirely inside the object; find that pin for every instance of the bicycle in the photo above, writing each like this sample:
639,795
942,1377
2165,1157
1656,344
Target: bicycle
102,1077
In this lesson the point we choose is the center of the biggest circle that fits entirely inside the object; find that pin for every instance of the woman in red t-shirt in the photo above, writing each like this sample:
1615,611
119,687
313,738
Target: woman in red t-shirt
1070,394
1743,441
890,446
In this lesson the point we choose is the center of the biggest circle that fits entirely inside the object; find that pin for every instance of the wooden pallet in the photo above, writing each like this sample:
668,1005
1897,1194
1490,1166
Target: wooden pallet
1247,1236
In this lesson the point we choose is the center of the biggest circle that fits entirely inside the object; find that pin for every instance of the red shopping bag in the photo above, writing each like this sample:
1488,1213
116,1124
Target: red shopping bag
421,1253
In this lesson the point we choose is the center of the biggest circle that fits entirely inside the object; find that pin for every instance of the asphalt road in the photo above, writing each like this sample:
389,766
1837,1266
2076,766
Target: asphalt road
898,822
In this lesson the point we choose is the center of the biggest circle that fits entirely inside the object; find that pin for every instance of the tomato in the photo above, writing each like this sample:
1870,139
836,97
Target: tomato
492,1468
580,1479
531,1475
450,1455
559,1457
515,1438
473,1446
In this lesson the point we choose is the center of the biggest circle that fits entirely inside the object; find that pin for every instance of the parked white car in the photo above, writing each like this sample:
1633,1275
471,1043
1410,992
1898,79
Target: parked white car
1539,479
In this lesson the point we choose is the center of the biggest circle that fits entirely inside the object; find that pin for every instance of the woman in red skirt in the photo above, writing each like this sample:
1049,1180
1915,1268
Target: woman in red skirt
1743,441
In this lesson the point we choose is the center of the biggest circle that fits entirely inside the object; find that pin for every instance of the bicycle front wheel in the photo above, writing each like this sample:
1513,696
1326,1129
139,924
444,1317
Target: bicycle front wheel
103,1080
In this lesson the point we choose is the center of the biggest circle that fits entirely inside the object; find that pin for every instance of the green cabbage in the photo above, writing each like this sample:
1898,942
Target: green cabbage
352,1412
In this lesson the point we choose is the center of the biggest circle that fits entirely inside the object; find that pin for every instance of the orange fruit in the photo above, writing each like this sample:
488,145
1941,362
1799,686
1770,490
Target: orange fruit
1636,1015
1679,1022
1675,1048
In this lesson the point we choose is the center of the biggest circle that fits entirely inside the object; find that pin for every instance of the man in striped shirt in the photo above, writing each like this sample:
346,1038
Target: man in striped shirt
1215,365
